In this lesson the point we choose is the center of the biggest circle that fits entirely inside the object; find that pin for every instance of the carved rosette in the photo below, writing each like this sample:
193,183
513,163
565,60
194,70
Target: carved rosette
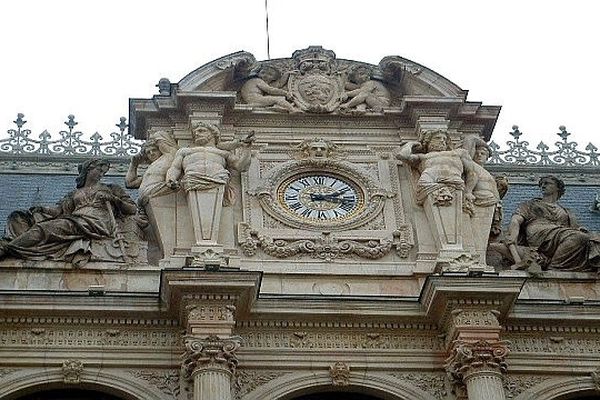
468,357
211,352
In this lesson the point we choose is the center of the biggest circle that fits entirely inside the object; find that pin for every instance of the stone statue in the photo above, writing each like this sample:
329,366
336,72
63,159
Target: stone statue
551,229
203,172
442,169
93,211
364,92
261,90
485,190
158,151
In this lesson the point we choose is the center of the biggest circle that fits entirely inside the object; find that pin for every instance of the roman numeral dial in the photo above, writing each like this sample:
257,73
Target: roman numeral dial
320,197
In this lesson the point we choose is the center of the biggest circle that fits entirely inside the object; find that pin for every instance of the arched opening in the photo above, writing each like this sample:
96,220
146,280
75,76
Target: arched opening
586,395
66,393
336,396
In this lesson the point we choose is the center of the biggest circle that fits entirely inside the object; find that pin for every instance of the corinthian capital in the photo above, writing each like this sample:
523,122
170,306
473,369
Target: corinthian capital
468,357
210,352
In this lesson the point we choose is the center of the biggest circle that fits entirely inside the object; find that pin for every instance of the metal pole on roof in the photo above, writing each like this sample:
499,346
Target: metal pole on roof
267,26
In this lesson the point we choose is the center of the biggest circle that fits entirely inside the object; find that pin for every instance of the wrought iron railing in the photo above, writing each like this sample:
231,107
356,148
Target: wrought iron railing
122,145
70,143
564,154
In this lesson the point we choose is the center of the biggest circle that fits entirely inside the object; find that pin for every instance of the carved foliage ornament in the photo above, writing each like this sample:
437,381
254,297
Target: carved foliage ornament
326,247
467,357
340,374
212,351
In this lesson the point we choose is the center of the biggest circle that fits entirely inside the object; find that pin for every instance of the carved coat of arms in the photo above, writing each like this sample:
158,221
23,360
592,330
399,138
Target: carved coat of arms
314,84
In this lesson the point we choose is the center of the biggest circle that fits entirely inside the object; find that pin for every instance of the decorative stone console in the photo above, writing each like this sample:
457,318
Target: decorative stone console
469,309
207,305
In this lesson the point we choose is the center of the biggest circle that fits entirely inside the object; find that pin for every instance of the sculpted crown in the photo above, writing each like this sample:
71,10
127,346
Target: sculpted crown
312,54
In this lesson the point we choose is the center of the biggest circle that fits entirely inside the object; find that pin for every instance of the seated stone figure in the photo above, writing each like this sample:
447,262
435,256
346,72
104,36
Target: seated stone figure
261,90
544,226
93,212
363,92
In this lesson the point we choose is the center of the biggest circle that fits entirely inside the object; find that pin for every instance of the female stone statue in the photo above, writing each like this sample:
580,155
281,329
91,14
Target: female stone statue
545,225
87,213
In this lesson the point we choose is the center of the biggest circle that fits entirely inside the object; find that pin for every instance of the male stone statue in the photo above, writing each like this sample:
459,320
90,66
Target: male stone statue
203,171
441,168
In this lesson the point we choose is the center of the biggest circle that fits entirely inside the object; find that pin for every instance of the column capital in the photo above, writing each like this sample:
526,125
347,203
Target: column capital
212,352
470,357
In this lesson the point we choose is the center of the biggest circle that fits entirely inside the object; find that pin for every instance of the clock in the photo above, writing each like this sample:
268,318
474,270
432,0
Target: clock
316,197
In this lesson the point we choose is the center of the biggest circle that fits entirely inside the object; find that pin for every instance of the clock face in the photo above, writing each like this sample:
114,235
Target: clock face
321,197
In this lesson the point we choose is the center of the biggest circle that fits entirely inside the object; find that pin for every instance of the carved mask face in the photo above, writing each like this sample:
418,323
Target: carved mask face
317,150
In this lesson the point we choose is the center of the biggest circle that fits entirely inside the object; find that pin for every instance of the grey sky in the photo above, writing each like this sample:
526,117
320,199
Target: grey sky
538,59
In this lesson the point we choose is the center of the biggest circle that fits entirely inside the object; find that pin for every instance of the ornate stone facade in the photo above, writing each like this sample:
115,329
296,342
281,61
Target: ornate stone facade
312,225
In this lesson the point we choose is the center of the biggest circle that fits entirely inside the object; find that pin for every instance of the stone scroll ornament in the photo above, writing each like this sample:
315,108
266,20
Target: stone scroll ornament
96,221
315,82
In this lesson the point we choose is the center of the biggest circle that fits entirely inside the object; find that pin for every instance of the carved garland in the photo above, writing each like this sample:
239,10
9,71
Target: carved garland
325,247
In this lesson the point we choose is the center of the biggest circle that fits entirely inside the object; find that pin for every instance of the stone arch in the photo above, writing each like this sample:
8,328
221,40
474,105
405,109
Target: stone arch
560,387
297,384
126,386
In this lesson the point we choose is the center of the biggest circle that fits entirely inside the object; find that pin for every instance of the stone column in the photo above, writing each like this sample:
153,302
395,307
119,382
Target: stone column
479,365
210,363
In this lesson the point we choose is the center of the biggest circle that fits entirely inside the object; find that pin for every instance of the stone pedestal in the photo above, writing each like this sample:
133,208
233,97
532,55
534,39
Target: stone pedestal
205,209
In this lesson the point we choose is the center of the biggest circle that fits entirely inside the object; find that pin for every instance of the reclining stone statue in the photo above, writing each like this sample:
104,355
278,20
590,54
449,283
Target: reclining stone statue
95,220
544,231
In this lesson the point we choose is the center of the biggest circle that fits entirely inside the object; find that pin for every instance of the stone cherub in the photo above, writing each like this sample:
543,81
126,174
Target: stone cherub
261,90
443,170
362,91
93,211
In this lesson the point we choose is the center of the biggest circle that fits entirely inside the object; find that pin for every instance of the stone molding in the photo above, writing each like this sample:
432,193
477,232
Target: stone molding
167,381
248,380
211,352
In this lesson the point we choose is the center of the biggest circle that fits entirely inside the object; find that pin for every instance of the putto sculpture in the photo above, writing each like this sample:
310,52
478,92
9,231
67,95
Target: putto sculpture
93,212
314,81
